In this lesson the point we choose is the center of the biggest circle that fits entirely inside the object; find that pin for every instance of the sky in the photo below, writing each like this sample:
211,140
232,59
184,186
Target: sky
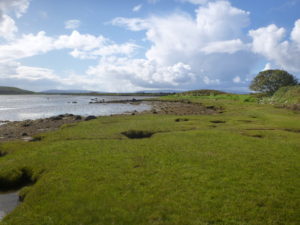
128,46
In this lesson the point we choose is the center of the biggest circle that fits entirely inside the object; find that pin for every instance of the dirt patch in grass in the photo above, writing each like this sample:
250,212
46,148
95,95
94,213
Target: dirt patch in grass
257,136
261,129
218,121
245,121
137,134
2,154
181,120
293,130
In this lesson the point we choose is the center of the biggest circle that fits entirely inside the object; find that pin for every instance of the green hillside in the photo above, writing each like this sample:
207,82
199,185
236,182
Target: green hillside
13,91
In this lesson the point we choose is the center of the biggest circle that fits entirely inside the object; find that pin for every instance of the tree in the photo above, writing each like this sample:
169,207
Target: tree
269,81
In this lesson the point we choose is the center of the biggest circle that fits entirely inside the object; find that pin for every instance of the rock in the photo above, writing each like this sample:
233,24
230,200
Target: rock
26,124
54,118
28,139
24,134
78,117
90,118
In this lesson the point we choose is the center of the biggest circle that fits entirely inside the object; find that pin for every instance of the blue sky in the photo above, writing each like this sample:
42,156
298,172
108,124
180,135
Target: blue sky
134,45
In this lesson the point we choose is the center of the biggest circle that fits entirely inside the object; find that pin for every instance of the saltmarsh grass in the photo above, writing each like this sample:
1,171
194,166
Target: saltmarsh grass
191,172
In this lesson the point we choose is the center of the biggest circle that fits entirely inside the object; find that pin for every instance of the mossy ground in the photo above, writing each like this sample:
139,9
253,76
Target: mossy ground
190,171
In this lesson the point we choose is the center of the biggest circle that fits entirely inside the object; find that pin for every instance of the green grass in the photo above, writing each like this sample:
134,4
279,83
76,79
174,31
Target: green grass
245,171
287,95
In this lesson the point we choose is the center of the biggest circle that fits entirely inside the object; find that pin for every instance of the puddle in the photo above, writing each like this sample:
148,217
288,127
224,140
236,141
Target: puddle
8,202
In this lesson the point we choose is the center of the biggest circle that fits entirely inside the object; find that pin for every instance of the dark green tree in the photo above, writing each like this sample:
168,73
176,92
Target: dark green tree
269,81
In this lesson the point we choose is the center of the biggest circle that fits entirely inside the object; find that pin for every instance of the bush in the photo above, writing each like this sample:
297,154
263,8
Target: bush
270,81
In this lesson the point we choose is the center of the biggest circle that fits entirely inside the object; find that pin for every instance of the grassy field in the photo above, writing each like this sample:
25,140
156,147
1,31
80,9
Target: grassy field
239,167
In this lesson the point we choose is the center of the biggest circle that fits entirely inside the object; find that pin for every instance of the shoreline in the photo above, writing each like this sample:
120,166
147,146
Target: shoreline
28,130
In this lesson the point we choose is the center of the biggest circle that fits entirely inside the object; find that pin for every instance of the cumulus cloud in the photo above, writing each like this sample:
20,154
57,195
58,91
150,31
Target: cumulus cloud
72,24
81,45
210,44
269,41
295,35
19,7
8,27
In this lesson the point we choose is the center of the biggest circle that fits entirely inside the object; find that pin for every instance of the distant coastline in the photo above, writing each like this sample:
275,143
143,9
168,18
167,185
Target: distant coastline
4,90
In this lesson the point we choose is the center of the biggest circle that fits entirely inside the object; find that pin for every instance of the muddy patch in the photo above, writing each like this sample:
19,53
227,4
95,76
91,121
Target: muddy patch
256,136
293,130
137,134
218,121
181,120
2,153
245,121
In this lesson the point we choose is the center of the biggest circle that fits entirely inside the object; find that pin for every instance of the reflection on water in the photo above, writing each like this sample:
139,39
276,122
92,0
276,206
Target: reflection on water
22,107
8,202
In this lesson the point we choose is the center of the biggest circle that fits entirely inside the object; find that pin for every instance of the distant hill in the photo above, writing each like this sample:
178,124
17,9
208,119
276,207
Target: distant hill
203,92
57,91
13,91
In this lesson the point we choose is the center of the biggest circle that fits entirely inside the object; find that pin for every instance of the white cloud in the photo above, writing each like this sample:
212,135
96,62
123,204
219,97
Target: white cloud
269,42
230,47
72,24
210,44
295,35
237,80
268,66
140,73
82,46
137,8
133,24
19,7
27,46
8,27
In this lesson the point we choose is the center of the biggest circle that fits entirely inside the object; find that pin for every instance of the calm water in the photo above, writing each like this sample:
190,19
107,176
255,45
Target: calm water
23,107
8,202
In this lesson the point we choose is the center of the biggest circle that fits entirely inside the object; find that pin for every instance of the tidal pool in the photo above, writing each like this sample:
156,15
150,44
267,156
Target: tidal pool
8,202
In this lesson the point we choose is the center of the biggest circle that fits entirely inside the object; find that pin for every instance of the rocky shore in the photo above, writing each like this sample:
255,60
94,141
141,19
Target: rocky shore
28,129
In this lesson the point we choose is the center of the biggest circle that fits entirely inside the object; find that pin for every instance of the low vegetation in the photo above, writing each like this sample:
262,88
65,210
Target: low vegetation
240,166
